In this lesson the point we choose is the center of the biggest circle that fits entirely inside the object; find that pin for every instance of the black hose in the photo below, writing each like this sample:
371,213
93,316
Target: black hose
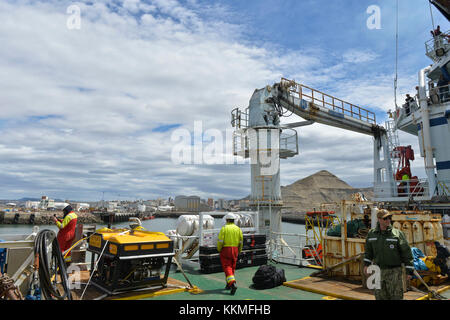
49,291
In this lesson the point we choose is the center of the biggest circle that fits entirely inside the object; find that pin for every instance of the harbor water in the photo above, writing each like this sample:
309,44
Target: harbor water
157,224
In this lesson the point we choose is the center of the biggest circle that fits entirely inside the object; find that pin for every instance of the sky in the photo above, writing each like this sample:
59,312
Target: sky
97,98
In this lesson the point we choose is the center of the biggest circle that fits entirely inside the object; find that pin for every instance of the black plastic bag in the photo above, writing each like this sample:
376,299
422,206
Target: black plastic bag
267,277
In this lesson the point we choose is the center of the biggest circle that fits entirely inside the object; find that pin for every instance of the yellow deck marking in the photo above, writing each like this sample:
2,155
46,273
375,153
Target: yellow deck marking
160,293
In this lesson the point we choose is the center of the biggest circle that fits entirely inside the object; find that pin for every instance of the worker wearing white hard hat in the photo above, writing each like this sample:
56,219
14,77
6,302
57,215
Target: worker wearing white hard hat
230,216
229,244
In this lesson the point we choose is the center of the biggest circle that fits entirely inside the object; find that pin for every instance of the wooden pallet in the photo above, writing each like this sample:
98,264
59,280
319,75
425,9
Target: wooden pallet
348,290
93,293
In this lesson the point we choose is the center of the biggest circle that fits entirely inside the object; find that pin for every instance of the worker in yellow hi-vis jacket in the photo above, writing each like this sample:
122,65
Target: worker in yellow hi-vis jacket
66,233
229,245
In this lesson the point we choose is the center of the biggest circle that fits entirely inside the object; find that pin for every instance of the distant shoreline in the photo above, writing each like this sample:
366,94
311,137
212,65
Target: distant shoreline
45,217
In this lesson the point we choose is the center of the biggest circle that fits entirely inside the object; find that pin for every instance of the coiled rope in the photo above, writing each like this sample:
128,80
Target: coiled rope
48,264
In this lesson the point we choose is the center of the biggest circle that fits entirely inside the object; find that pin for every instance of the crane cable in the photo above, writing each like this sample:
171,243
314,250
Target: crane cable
396,59
431,13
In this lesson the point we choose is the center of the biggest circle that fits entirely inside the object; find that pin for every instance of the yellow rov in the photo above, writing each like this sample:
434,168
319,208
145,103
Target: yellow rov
124,259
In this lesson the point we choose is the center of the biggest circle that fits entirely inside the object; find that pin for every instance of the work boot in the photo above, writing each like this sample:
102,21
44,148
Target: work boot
233,289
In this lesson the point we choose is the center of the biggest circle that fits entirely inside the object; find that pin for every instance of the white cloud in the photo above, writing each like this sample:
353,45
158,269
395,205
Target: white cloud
80,105
359,56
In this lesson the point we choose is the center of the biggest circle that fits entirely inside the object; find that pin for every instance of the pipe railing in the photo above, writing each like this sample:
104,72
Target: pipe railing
288,248
437,42
412,187
330,102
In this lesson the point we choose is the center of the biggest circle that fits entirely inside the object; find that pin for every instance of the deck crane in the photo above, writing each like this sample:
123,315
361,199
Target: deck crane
259,136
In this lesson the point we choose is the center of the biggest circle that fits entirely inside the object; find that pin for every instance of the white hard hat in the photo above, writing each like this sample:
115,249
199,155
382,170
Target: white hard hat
230,216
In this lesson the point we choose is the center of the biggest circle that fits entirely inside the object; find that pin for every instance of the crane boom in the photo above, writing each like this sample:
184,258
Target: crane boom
313,105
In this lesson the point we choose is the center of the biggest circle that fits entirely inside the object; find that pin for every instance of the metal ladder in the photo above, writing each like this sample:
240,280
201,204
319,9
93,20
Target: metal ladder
393,142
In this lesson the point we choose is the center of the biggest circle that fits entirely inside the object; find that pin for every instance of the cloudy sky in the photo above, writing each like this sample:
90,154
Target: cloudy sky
98,97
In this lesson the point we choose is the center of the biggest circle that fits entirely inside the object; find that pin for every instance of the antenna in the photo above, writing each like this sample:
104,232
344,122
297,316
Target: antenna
431,13
396,58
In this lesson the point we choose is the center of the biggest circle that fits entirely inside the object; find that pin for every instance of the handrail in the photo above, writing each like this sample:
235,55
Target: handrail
444,187
432,40
332,103
412,187
282,251
436,43
239,118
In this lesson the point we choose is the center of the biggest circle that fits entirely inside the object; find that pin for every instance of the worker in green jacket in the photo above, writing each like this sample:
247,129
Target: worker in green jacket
229,244
388,248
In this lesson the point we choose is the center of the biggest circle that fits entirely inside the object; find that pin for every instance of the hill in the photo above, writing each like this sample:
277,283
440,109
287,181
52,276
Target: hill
322,187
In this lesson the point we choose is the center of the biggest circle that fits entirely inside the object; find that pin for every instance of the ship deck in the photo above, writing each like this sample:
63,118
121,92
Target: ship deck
298,286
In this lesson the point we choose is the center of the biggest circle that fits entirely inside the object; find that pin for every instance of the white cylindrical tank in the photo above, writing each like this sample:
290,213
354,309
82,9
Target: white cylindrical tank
173,235
243,220
187,225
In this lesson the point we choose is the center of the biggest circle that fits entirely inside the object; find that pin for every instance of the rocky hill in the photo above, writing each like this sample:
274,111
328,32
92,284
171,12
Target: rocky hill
322,187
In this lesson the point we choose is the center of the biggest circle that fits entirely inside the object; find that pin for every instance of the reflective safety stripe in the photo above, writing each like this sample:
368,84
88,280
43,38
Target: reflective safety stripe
230,279
372,239
410,267
66,220
230,235
395,240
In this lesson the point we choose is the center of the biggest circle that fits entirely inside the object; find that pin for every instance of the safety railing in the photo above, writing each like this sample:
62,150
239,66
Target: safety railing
288,143
437,46
412,187
289,248
435,96
403,188
420,187
239,118
439,94
332,103
443,187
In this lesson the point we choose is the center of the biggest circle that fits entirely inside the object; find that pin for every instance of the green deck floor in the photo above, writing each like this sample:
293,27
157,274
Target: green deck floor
213,285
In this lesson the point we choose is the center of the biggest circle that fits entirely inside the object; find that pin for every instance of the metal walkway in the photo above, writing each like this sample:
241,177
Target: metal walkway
314,105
